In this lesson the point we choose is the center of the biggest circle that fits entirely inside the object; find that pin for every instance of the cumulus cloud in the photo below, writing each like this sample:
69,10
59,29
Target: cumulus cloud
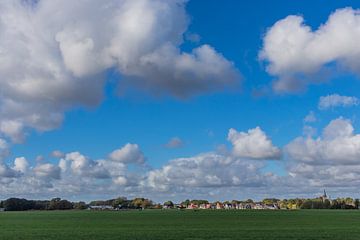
74,173
64,50
174,142
205,170
21,164
47,170
7,172
338,145
130,153
336,100
312,163
298,55
253,144
124,170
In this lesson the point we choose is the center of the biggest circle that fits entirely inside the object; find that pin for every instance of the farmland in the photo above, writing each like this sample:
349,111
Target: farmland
174,224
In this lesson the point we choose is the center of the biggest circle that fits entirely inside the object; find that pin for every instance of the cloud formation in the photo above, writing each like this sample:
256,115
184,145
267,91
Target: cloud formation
329,161
130,153
299,56
65,49
125,171
338,145
4,149
205,170
312,163
253,144
336,100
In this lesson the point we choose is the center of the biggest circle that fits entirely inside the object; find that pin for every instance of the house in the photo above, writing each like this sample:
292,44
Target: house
241,206
249,206
228,206
258,206
192,206
205,206
271,206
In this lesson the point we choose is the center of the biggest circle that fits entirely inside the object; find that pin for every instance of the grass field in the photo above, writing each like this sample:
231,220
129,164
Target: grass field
173,224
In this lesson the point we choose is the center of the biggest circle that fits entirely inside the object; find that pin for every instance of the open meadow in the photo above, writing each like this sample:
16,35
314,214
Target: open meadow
174,225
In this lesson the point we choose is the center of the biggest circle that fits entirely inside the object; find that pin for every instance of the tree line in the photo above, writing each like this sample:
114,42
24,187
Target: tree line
21,204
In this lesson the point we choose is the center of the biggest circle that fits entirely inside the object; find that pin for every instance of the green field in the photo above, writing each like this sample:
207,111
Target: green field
173,224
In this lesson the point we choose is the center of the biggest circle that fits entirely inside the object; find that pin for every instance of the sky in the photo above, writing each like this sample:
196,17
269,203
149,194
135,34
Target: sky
174,100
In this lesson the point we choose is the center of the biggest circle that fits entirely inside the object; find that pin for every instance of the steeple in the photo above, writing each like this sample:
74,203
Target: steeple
325,193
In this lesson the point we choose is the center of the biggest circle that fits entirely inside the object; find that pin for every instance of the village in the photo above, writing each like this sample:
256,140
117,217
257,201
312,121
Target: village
321,202
123,203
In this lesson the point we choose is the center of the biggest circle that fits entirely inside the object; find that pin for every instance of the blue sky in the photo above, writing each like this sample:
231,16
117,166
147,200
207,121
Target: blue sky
236,30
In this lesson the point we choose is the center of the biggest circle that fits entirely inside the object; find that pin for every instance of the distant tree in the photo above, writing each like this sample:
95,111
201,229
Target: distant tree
357,203
18,204
60,204
141,203
199,202
120,202
270,201
80,205
169,204
326,204
186,202
41,204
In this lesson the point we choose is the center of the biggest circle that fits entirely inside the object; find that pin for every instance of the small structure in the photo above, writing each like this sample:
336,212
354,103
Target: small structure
271,206
205,206
325,197
258,206
101,207
192,206
219,205
228,206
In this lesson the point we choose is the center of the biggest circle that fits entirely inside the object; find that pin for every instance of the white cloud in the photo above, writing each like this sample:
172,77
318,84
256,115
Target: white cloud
310,117
13,129
253,144
329,161
336,100
84,166
64,50
4,149
130,153
47,170
21,164
338,145
297,54
78,175
6,172
174,142
205,170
